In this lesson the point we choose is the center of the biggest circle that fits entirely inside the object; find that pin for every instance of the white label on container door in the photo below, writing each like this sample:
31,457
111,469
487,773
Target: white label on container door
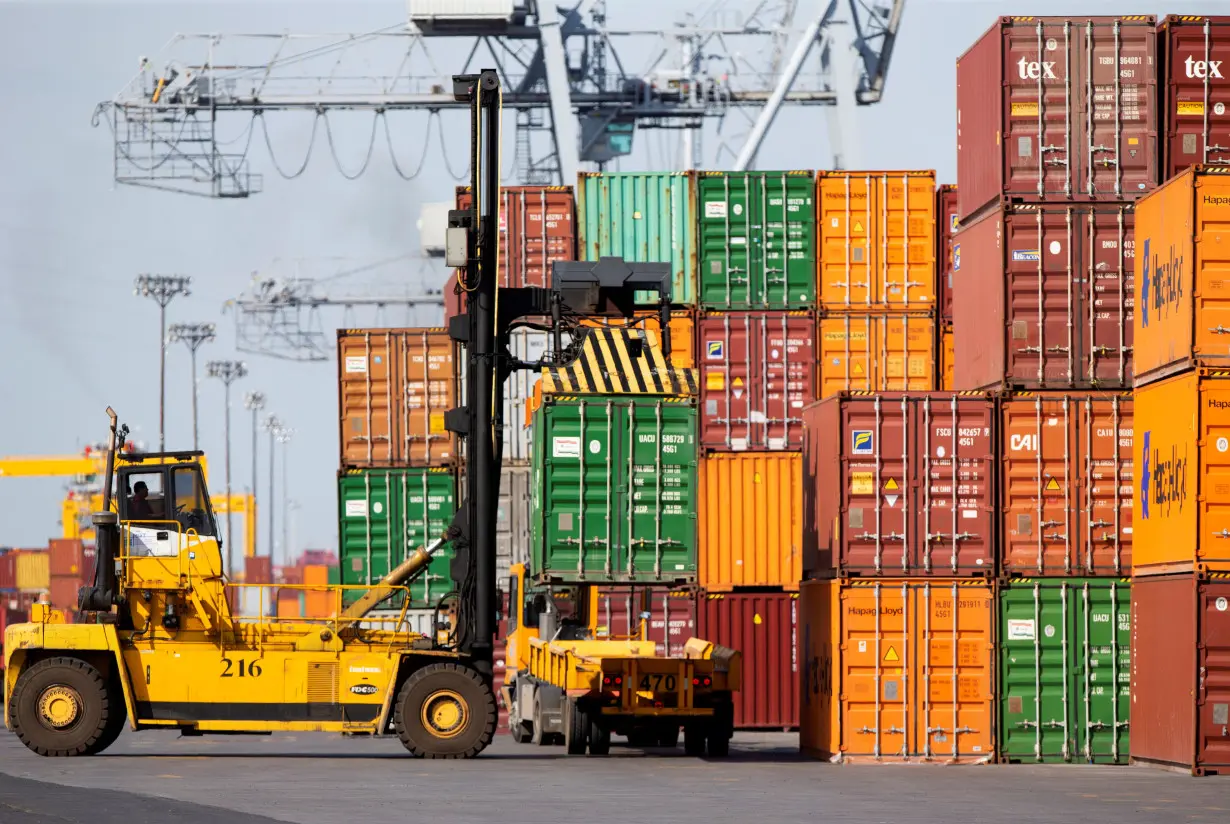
565,447
595,447
1021,630
356,509
1221,604
715,209
738,241
356,364
969,513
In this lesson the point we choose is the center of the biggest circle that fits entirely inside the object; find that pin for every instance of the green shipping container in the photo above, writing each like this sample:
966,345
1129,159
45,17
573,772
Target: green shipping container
757,240
1064,670
613,495
384,514
646,217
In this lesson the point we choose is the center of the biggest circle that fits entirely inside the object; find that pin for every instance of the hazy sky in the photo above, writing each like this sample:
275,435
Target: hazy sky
74,338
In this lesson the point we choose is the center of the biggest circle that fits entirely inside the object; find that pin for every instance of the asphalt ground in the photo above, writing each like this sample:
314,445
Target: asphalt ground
327,779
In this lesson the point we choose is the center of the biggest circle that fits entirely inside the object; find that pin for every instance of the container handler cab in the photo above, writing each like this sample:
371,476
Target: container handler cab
563,684
163,645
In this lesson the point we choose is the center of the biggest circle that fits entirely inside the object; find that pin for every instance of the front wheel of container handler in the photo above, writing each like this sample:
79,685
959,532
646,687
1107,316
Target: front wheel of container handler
576,728
445,711
62,707
599,738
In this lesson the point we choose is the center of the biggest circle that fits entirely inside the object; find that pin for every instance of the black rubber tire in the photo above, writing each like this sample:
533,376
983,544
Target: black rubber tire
519,732
85,734
719,743
117,718
694,740
576,728
537,737
668,737
599,739
641,738
469,686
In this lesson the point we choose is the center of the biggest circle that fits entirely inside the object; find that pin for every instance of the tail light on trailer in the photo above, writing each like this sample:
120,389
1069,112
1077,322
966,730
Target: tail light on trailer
702,681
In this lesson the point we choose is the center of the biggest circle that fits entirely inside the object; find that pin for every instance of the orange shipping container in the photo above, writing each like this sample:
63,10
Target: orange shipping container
1067,481
682,326
395,386
751,520
877,240
33,569
895,671
948,352
877,352
1183,234
321,602
1181,513
290,604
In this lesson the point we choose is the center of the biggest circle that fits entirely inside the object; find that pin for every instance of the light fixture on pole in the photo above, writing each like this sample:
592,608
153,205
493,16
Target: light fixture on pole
271,425
228,372
254,401
193,334
162,289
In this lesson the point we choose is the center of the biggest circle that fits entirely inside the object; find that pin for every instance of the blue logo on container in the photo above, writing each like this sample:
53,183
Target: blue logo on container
1027,255
715,349
1144,289
1144,459
956,257
1162,282
861,442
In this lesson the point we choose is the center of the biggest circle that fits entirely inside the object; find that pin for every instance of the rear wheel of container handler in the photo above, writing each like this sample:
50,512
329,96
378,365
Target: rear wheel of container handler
599,739
576,728
445,711
62,707
668,737
694,740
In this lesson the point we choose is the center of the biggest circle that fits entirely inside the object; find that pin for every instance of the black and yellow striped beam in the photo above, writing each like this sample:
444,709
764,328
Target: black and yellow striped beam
619,362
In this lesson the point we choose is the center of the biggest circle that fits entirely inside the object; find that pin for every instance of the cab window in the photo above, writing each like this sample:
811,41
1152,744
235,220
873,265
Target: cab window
191,503
143,497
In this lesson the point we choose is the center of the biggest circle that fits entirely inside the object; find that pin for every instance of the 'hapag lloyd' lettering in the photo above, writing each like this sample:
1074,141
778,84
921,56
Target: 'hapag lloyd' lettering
1163,479
1162,283
871,610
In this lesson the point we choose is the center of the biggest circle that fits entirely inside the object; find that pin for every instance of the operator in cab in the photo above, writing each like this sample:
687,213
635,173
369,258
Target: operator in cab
139,508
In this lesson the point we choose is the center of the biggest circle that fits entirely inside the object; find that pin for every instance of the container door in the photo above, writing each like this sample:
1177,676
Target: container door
728,260
876,472
1040,67
954,523
427,505
1109,259
366,525
789,240
425,359
367,396
728,371
1042,260
906,346
875,663
659,533
1198,57
1105,496
847,225
1212,483
1102,672
907,225
952,669
788,354
1041,486
1213,698
1035,671
847,360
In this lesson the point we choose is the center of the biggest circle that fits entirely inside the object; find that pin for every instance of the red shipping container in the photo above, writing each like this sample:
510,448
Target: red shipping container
537,227
8,570
882,494
8,617
67,557
321,557
672,615
946,217
1181,673
1044,297
758,372
761,626
498,653
1060,109
1067,483
63,592
258,570
1194,58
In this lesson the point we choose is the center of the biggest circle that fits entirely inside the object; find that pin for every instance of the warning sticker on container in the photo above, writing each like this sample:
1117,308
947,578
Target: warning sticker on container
356,509
356,364
715,381
891,655
435,422
1021,630
1027,255
1025,109
715,209
1190,107
862,483
1052,485
565,447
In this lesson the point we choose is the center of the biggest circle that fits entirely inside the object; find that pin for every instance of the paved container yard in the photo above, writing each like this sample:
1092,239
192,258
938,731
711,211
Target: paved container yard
324,779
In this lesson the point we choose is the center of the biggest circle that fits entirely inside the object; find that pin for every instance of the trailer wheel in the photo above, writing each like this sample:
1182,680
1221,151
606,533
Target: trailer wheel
445,711
520,733
576,728
694,740
599,738
719,744
668,737
538,737
62,707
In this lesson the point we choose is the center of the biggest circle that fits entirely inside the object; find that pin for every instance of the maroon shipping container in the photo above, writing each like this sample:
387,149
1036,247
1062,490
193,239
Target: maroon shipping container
672,615
1067,481
537,228
258,570
69,557
758,372
761,626
946,218
1181,673
8,570
8,617
63,592
498,666
900,484
1194,58
1048,293
1060,109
